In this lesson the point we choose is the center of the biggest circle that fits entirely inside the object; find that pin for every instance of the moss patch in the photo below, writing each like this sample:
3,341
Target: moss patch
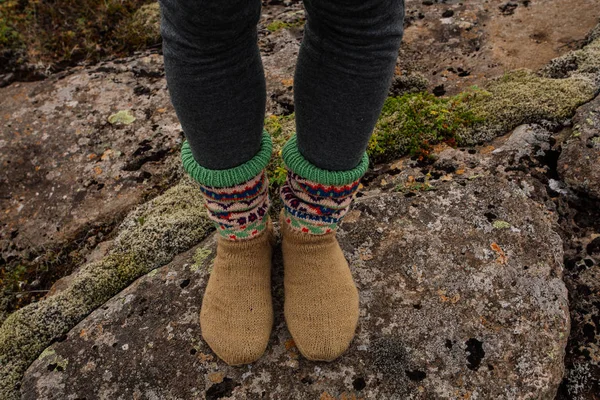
278,25
173,222
413,122
583,61
142,29
522,97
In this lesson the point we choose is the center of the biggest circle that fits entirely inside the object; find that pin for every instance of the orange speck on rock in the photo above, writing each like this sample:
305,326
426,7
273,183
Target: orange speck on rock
289,344
97,170
502,258
216,377
487,149
205,357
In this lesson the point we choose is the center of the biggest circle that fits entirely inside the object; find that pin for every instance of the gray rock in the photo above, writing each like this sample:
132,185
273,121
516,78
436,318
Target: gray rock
579,161
525,140
455,303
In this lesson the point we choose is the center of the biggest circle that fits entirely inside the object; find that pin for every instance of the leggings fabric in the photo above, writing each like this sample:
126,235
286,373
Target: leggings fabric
217,86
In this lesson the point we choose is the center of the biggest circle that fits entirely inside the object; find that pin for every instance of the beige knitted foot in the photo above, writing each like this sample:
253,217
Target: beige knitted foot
236,317
321,299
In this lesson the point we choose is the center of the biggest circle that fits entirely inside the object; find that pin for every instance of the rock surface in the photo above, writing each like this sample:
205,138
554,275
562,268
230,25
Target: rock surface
74,160
461,297
442,334
579,162
78,151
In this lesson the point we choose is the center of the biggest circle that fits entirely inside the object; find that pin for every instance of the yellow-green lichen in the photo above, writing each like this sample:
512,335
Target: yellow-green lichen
278,25
499,224
124,117
521,97
200,256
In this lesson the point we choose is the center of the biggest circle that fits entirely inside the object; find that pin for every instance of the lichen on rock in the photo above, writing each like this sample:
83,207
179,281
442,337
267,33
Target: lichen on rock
522,97
149,237
450,307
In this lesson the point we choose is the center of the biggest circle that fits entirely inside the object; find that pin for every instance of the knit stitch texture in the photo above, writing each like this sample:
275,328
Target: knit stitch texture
296,162
240,211
232,176
236,317
315,208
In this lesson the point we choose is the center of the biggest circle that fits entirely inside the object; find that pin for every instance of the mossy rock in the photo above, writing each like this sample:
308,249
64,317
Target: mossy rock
522,97
142,28
148,238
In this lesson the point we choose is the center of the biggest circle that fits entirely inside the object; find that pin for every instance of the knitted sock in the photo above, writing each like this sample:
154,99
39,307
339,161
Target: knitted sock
236,316
321,299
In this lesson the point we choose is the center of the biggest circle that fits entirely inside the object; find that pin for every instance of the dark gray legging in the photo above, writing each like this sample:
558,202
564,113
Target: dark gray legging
217,85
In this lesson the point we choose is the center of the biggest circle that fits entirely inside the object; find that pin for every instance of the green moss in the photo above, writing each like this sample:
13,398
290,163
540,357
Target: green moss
281,128
278,25
8,36
142,28
174,222
413,122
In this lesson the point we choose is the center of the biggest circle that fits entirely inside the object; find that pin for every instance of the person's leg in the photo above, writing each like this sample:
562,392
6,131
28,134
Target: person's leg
215,77
217,87
345,66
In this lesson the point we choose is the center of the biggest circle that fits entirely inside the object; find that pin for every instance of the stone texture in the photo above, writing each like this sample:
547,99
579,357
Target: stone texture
461,297
579,162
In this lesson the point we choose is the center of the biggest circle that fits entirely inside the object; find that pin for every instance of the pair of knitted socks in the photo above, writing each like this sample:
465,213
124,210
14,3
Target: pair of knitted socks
321,299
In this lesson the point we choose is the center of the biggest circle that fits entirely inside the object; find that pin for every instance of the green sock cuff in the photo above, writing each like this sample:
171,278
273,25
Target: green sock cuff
301,166
232,176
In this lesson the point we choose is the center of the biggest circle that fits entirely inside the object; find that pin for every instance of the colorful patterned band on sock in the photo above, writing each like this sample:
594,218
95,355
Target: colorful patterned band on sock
315,208
241,211
237,199
315,200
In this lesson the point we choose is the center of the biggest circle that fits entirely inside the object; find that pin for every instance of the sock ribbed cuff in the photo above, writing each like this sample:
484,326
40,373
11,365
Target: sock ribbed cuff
232,176
296,163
